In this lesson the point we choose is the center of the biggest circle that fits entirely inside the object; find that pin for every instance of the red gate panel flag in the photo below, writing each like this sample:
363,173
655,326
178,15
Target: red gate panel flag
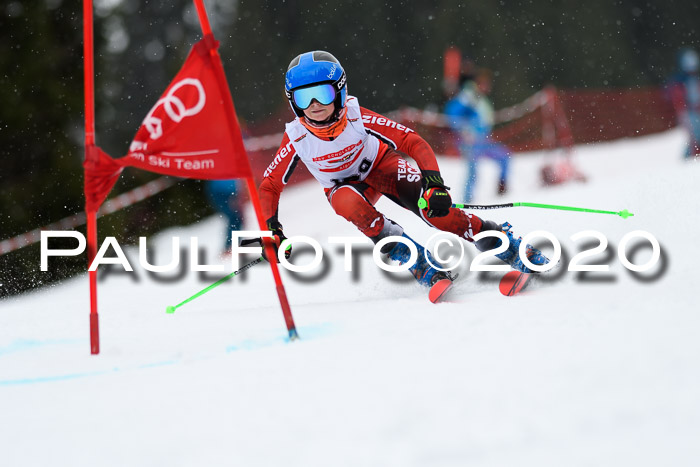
191,132
187,133
101,173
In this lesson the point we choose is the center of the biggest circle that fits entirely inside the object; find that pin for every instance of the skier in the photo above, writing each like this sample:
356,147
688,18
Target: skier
471,117
685,94
358,155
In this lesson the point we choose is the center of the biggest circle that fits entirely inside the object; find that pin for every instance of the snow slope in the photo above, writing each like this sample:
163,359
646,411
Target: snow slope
596,371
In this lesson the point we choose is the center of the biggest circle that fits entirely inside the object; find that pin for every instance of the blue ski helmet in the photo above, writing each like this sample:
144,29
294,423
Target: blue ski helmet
315,75
688,60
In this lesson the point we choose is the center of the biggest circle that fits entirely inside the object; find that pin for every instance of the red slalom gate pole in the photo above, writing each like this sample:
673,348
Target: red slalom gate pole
89,83
88,74
92,250
252,189
271,253
203,19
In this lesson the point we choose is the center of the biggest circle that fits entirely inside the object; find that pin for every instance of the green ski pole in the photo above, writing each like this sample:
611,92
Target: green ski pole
171,309
624,213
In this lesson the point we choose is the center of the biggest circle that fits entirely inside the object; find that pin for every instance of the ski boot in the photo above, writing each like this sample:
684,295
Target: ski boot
502,187
511,256
424,273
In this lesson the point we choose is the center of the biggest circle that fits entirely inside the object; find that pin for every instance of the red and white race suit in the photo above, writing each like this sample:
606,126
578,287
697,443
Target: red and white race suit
366,160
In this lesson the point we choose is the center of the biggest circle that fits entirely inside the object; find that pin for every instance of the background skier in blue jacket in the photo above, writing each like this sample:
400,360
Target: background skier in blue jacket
224,195
471,115
685,92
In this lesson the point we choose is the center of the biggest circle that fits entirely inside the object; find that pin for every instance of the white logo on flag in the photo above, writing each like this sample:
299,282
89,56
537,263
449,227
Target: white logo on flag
174,107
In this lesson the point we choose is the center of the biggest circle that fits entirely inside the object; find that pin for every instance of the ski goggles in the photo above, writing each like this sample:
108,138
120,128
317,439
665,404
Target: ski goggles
323,93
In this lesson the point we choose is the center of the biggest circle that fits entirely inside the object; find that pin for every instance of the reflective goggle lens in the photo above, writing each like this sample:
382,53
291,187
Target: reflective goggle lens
323,93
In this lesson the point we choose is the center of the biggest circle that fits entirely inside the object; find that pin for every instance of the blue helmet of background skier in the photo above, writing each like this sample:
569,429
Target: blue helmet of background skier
316,76
688,61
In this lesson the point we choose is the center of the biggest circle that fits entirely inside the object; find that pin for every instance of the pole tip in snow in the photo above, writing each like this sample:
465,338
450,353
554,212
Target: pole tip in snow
170,309
293,336
625,214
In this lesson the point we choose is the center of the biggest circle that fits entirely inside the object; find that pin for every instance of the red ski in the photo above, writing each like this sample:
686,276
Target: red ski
513,283
439,289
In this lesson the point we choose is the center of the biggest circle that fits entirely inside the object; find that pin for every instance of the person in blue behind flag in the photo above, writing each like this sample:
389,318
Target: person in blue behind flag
358,156
225,197
471,116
